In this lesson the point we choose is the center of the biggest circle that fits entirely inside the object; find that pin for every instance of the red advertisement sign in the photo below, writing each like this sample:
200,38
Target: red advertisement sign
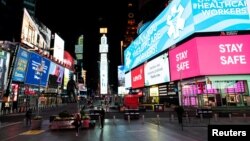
138,77
214,55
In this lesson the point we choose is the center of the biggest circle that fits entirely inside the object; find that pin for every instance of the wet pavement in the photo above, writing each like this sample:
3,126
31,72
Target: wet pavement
148,129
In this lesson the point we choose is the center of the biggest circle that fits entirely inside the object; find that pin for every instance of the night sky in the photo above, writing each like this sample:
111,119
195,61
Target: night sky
82,17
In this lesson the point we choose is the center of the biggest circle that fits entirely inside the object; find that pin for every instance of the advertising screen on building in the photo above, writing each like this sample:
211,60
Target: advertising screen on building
21,63
156,71
182,18
222,55
137,76
56,73
121,76
66,78
58,48
4,68
128,81
34,33
38,70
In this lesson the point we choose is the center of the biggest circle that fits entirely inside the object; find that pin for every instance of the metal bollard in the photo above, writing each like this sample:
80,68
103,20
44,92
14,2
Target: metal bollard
142,119
230,116
187,118
100,120
114,119
129,119
244,115
158,119
201,117
215,117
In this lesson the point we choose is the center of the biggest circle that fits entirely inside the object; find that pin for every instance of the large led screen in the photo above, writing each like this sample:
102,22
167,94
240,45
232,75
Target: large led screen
56,73
121,76
38,70
21,63
128,81
58,48
34,33
180,19
137,76
4,68
222,55
157,70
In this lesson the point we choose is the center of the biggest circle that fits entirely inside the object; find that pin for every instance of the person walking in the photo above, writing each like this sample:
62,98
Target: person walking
102,114
179,111
77,123
28,116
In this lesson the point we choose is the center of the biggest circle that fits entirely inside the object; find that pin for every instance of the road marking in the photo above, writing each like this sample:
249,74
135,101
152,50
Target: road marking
32,132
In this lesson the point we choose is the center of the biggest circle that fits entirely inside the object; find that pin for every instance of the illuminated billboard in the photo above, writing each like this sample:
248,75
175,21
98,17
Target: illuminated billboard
34,33
137,76
223,55
4,68
128,81
182,18
156,71
56,73
21,64
58,48
38,70
121,76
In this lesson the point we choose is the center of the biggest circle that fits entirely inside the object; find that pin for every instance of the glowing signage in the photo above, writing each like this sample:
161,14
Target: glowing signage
181,19
138,77
223,55
157,70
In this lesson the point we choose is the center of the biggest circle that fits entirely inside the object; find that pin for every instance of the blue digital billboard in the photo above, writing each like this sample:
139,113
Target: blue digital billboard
180,19
38,70
20,65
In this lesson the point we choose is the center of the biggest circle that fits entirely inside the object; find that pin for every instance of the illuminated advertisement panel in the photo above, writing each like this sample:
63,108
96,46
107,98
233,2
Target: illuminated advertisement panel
58,52
180,19
29,30
222,55
121,76
34,33
137,76
183,61
38,70
66,78
157,70
128,81
4,68
55,74
68,60
104,76
21,63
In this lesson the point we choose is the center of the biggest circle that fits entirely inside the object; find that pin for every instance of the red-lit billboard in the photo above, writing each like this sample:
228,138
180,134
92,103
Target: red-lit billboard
138,77
214,55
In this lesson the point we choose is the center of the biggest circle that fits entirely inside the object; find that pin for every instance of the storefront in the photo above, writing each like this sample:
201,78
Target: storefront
213,91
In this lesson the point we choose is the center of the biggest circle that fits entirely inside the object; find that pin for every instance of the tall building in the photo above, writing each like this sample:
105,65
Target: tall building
11,14
30,5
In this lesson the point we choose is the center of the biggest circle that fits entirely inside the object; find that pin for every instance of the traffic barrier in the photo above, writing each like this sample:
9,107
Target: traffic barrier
158,119
142,119
114,119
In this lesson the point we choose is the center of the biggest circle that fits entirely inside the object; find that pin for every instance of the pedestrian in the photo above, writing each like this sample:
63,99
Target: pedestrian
102,114
77,123
28,116
179,111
